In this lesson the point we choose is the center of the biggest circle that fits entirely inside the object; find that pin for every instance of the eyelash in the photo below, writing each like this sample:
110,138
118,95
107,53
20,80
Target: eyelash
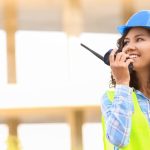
126,42
139,39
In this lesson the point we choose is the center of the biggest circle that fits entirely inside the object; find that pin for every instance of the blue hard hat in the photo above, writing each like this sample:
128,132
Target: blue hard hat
139,19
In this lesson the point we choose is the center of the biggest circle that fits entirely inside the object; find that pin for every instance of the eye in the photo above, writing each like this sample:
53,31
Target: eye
139,39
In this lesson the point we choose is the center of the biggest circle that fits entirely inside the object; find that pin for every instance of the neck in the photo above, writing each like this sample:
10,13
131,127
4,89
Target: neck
144,82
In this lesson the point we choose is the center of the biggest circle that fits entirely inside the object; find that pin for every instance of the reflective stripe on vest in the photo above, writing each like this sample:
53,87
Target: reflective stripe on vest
140,129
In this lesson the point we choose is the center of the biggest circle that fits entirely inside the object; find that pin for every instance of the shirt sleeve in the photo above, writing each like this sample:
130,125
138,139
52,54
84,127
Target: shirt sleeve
117,115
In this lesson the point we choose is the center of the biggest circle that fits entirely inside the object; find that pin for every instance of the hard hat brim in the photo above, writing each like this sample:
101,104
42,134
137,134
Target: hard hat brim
122,29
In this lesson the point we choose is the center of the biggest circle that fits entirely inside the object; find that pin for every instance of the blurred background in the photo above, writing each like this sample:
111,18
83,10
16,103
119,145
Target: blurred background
50,86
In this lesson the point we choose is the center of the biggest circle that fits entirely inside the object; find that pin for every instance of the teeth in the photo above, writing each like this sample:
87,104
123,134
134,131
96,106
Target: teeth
133,56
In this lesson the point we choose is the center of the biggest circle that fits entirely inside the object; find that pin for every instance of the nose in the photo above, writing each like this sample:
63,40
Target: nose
129,47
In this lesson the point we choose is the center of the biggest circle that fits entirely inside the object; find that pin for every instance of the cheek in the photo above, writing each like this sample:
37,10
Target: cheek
146,53
145,58
144,49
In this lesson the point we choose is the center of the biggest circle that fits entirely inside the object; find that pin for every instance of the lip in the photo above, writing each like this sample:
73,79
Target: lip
134,56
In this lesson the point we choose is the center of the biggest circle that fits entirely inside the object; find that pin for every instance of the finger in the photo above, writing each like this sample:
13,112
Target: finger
125,50
128,61
112,56
118,56
124,57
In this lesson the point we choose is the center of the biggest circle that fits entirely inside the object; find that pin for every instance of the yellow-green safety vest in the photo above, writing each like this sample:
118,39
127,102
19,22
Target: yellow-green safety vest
140,129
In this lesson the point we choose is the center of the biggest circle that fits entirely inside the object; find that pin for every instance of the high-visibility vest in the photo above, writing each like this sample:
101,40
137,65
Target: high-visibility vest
140,129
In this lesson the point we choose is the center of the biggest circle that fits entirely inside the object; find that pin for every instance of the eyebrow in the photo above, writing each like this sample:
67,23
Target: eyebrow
135,36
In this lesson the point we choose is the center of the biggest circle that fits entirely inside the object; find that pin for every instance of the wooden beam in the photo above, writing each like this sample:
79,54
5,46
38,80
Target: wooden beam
72,17
75,120
10,25
12,140
49,114
127,9
13,125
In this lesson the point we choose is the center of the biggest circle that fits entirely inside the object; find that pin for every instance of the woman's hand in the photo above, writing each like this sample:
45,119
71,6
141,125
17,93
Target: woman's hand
119,65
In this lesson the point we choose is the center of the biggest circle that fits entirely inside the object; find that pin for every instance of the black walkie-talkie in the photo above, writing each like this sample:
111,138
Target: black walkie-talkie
105,58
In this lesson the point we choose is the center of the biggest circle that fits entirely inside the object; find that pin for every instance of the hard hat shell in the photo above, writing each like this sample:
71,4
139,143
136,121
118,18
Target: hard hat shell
139,19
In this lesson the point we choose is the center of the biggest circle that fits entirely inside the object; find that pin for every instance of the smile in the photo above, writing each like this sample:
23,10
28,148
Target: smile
134,56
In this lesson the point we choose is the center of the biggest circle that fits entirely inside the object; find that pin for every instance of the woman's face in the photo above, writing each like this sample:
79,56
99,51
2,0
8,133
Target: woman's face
137,45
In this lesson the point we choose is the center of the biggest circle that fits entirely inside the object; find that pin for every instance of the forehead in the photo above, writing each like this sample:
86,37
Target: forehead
138,31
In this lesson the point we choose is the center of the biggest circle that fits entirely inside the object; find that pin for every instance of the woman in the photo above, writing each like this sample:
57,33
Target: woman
126,109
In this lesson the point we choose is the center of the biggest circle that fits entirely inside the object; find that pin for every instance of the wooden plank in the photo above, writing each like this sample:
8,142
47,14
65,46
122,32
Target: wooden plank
10,25
127,9
13,125
49,114
72,17
13,140
75,120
